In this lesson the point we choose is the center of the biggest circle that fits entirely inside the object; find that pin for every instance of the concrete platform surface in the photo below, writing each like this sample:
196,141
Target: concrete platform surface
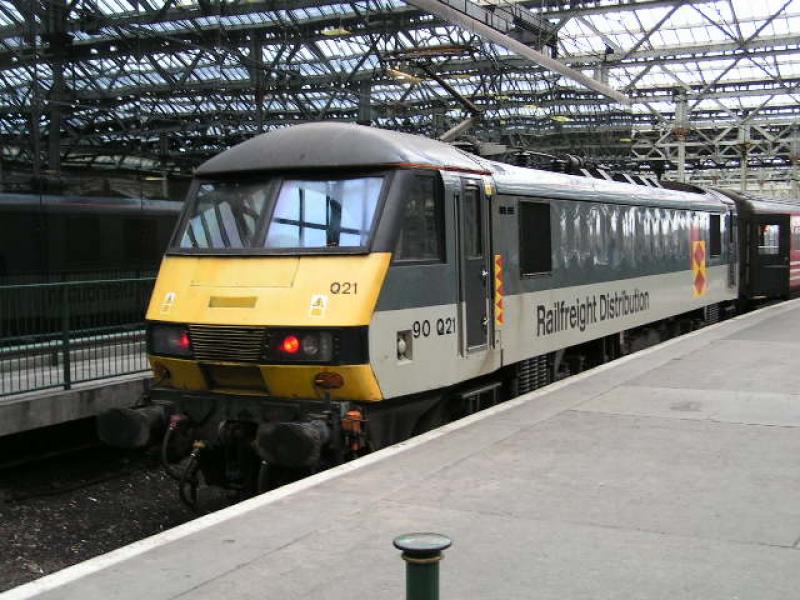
672,473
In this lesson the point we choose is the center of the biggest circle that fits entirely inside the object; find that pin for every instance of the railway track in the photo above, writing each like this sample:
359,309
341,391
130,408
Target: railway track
29,447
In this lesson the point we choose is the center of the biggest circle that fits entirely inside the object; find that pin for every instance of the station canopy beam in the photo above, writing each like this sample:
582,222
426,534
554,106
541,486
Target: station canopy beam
478,19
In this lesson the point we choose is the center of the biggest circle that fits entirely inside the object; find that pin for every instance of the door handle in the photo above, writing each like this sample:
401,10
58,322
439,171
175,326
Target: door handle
484,273
485,322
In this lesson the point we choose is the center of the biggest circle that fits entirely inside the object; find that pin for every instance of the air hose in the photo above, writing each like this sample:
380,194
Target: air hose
170,470
189,479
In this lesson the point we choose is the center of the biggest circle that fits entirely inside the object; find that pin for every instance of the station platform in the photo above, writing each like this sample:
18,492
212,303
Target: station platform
671,473
34,410
38,390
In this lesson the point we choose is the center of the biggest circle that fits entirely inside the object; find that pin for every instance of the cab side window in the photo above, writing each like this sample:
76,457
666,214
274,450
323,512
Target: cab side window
422,232
535,256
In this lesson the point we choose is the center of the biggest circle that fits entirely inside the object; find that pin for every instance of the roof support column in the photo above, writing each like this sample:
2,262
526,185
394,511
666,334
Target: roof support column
58,41
257,78
681,130
31,31
163,157
364,102
744,147
56,114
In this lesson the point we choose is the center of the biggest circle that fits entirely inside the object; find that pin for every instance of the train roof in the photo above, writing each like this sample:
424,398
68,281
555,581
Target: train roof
87,203
337,145
759,205
345,145
510,179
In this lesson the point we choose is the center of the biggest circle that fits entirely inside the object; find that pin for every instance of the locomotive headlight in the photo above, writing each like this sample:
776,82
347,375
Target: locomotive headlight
300,346
169,340
311,345
317,346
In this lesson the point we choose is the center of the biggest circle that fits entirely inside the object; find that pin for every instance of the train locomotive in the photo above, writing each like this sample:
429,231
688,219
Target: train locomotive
331,289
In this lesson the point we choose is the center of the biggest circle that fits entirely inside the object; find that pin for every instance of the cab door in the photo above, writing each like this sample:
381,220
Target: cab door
769,251
473,250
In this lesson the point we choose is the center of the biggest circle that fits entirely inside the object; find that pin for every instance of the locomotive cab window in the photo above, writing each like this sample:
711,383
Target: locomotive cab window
324,214
281,214
226,215
534,238
715,244
422,230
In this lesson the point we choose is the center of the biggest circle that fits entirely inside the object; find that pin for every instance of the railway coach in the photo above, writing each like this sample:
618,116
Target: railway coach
332,289
51,239
45,239
769,246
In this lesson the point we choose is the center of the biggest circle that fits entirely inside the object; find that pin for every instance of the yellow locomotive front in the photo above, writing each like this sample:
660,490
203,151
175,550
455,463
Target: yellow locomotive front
258,324
268,289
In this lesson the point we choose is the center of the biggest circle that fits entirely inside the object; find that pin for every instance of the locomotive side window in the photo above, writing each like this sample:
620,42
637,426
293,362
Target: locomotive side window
534,238
473,240
422,232
716,236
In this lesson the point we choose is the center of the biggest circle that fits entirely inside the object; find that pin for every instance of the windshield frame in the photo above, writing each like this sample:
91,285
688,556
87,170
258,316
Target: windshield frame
174,248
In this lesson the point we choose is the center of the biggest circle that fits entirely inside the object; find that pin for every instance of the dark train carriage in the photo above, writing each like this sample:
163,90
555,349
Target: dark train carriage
51,239
54,238
769,245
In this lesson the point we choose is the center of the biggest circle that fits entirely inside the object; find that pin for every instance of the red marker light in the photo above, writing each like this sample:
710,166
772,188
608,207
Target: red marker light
290,344
184,341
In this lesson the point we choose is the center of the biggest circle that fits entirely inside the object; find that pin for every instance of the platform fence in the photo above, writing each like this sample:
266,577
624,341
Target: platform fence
56,335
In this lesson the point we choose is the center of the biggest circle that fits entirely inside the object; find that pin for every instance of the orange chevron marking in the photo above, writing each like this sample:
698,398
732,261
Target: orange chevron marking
498,289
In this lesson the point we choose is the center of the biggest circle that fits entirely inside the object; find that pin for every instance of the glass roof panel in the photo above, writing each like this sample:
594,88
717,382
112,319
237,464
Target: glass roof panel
193,63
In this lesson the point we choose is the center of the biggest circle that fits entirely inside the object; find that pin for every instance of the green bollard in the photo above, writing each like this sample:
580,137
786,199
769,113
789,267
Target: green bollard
422,553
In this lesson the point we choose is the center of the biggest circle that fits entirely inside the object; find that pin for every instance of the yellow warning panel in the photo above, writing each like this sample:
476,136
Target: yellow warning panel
699,268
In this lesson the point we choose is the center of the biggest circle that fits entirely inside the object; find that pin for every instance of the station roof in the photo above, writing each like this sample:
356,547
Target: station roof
163,85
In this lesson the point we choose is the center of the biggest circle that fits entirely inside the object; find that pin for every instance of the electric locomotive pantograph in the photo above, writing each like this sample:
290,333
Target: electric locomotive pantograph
332,289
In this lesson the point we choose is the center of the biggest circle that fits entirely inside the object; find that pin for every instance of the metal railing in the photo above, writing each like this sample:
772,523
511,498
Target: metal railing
55,335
